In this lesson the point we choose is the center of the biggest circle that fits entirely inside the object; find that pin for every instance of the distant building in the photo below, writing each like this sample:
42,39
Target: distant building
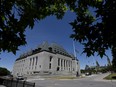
49,59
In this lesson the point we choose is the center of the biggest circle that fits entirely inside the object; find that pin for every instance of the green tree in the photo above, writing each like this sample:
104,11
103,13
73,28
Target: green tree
4,71
114,60
95,26
17,15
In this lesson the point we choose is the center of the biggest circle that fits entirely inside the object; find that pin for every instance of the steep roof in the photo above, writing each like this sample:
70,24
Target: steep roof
53,48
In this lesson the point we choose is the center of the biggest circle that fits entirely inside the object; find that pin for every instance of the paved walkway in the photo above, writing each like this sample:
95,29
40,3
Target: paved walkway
98,77
2,86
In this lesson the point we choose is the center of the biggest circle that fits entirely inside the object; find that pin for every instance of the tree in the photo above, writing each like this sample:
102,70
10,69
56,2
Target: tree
114,60
95,26
17,15
4,71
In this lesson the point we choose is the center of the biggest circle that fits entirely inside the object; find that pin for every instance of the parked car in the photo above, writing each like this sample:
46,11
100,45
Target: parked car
10,77
88,73
20,78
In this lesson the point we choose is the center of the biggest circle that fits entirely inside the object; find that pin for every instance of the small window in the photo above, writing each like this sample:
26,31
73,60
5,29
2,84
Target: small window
50,49
39,66
39,49
58,68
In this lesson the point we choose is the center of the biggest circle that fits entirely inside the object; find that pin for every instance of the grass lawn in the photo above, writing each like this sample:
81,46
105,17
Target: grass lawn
111,77
63,77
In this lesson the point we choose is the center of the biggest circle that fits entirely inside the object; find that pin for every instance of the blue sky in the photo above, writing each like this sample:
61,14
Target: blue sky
52,30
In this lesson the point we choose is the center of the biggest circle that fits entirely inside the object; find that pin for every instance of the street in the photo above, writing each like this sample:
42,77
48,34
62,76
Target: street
90,81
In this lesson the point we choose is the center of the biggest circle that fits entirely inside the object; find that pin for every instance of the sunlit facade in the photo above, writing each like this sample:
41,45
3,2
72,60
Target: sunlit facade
47,59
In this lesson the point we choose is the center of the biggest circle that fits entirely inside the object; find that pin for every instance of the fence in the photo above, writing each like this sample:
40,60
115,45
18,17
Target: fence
17,83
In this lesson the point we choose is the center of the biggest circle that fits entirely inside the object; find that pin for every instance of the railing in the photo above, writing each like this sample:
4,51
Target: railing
17,83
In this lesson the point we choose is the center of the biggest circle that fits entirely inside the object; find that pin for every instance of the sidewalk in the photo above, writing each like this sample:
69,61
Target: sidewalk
101,78
2,86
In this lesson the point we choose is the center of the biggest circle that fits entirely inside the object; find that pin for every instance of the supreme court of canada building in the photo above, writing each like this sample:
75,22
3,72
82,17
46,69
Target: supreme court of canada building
46,59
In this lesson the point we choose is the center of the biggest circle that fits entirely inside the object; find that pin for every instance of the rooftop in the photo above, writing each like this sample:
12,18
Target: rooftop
45,46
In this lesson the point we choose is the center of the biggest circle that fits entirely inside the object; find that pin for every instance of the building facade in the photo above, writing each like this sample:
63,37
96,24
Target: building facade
49,59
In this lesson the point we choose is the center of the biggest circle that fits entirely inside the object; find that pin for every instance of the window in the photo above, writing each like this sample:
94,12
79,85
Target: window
39,66
33,61
50,58
50,49
50,66
61,62
58,68
36,59
58,61
64,63
39,49
77,63
30,61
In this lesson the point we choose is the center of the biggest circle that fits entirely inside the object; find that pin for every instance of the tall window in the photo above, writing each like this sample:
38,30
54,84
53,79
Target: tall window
61,62
71,65
33,60
58,61
50,66
50,62
36,60
30,61
64,63
50,58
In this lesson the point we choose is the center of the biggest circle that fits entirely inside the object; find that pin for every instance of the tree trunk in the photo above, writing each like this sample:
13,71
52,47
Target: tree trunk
114,59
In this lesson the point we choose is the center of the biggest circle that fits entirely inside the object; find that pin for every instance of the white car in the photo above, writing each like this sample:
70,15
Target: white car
88,73
20,78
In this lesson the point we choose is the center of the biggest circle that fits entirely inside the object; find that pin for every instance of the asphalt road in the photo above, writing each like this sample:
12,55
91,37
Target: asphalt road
90,81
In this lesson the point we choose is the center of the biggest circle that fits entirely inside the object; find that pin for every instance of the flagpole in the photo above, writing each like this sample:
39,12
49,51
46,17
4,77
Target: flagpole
74,49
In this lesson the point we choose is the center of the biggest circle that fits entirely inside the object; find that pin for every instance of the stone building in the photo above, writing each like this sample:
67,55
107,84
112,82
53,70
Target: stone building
47,59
